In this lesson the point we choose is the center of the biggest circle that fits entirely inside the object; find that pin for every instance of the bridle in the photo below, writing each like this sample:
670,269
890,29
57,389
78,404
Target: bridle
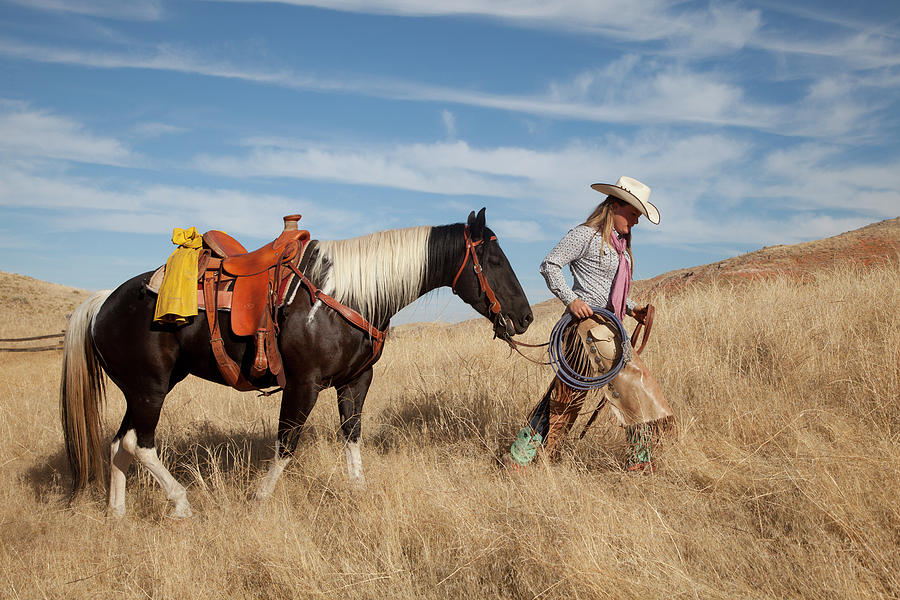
471,244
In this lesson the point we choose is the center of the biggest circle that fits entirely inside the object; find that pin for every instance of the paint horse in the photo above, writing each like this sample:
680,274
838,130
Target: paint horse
374,275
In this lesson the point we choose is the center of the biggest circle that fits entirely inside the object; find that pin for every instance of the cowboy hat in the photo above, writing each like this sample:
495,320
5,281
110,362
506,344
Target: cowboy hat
634,193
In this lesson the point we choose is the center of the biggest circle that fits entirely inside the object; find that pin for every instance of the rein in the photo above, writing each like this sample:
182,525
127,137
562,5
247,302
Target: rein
647,323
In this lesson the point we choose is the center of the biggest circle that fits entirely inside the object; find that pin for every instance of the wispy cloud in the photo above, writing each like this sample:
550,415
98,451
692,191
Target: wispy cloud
154,129
553,176
77,204
26,132
512,229
707,188
685,28
449,120
626,20
132,10
823,177
629,91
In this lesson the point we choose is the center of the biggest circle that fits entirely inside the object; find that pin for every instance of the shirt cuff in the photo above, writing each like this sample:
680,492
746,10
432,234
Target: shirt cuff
567,297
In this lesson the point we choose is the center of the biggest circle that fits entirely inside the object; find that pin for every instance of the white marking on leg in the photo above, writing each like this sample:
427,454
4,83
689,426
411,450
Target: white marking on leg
354,465
174,490
267,485
119,460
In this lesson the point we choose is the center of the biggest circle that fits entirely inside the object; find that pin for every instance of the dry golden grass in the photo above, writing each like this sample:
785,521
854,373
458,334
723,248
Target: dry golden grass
30,307
783,480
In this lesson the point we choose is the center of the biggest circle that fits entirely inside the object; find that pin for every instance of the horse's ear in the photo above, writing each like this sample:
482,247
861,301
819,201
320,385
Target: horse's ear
476,224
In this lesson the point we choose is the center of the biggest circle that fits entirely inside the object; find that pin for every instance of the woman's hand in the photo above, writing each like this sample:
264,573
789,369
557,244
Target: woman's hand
640,314
580,308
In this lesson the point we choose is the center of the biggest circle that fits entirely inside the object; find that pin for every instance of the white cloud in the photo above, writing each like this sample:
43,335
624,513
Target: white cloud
810,177
709,189
697,230
404,167
625,20
449,120
26,132
154,129
511,229
701,30
859,51
131,10
552,177
630,91
81,204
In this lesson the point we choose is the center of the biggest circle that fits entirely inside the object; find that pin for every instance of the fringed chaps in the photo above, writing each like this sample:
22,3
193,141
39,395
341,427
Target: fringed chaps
634,396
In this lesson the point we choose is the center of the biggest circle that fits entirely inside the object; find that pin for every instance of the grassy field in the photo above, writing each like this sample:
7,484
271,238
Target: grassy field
782,481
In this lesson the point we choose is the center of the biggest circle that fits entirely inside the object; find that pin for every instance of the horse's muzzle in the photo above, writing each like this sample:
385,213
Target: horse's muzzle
505,326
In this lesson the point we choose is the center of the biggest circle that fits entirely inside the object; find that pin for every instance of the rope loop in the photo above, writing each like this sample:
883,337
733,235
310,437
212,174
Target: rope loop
564,370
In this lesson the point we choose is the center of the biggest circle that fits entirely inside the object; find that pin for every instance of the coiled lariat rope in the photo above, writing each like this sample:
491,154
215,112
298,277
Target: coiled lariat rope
565,372
556,348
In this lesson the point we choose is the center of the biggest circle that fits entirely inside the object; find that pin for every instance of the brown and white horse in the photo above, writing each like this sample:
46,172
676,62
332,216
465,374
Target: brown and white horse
376,275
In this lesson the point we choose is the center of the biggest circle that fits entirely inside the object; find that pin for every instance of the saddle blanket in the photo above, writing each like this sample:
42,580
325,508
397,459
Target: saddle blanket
224,295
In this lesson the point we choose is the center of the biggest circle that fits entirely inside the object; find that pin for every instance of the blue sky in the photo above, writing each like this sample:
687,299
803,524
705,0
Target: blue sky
754,124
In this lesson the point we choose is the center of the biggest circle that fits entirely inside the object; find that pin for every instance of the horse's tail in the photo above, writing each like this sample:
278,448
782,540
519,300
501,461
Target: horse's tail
81,396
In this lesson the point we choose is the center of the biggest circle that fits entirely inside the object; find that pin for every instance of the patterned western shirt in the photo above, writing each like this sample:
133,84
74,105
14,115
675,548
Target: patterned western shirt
593,265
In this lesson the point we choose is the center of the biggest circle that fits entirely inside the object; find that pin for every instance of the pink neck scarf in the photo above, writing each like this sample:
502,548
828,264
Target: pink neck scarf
622,281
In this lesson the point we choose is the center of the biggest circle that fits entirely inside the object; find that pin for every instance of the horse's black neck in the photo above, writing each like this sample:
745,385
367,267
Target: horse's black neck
446,252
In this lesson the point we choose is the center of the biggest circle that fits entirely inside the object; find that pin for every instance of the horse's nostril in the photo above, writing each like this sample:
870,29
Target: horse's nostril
527,319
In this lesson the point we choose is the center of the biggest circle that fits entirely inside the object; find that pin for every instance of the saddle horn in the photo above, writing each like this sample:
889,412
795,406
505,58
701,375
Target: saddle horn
290,222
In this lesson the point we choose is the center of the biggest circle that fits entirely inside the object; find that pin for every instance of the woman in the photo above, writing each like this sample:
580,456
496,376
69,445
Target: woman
598,253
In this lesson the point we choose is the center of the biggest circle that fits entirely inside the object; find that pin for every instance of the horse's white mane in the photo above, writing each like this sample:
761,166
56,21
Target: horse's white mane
376,274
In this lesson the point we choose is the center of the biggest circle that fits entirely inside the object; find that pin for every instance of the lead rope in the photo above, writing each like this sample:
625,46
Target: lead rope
514,346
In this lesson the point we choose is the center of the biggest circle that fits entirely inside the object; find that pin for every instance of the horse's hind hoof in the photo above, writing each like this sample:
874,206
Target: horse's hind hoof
358,484
182,512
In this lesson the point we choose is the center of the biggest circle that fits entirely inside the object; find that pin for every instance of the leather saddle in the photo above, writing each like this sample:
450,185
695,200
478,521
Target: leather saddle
257,282
253,286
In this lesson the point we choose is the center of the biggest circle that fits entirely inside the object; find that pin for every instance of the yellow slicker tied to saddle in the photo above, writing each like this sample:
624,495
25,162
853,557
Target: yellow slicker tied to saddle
177,299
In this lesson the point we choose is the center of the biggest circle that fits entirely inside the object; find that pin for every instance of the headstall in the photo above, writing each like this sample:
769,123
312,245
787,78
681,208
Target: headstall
479,272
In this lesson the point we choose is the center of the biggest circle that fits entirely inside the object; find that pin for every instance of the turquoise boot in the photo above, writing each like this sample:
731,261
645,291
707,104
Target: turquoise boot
524,448
640,440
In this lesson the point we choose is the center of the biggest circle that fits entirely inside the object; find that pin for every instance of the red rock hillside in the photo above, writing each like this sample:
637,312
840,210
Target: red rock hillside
872,244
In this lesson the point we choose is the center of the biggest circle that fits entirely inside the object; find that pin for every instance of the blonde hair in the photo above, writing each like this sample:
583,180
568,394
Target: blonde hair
601,220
